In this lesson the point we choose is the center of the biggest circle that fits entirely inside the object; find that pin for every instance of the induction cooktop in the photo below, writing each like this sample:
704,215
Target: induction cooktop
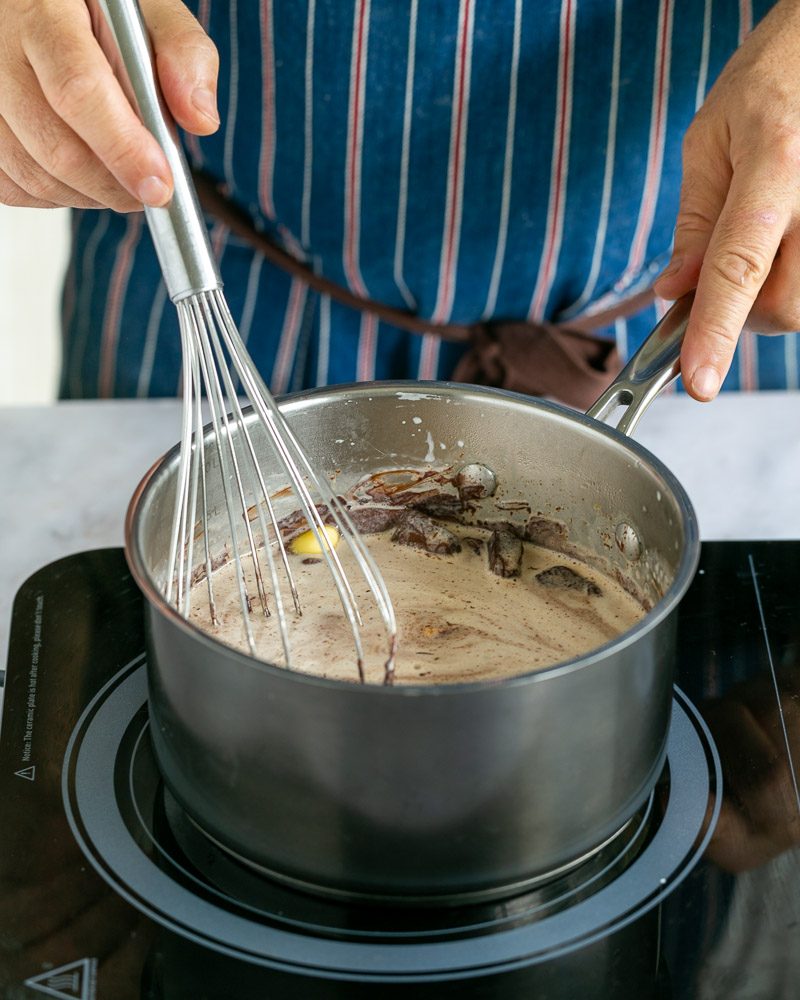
108,890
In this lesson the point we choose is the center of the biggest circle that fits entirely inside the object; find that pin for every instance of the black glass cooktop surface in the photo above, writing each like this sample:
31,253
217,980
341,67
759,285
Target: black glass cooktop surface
107,890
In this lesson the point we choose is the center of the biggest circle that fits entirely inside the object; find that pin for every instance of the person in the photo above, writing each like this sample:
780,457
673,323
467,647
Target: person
463,161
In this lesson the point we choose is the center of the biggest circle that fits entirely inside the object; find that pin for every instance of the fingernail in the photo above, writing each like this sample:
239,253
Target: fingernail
706,382
153,192
205,102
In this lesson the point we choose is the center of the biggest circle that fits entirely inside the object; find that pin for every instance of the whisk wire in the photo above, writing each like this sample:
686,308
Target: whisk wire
176,548
199,444
224,449
251,464
196,444
222,370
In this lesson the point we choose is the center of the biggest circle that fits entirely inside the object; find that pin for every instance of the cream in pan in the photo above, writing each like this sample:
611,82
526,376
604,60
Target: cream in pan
458,620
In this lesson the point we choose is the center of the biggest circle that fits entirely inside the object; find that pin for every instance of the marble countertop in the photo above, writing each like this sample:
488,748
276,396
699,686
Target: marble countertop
68,471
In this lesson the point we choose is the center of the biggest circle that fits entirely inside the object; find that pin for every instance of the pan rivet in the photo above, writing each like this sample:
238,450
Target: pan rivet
628,541
475,481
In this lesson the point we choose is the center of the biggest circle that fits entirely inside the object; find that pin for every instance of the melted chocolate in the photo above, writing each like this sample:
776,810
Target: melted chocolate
567,579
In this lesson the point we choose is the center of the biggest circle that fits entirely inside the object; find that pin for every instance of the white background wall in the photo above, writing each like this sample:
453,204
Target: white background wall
33,252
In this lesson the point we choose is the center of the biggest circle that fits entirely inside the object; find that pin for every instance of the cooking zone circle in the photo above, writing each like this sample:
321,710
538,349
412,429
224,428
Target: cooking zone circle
139,842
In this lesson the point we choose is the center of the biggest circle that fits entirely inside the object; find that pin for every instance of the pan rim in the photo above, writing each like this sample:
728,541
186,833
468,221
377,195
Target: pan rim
684,574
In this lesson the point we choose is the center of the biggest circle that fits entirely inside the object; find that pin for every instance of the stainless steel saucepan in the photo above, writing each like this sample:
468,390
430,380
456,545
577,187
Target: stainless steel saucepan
446,790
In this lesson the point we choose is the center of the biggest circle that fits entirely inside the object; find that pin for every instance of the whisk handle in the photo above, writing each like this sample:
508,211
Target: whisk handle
178,230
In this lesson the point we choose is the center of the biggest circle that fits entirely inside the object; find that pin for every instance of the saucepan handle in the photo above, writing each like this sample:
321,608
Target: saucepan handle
651,369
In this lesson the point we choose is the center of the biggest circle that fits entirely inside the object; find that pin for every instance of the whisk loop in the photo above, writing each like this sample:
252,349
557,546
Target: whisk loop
215,359
213,354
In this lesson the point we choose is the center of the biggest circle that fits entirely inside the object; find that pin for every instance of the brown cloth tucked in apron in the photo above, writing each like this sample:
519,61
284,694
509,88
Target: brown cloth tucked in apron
566,363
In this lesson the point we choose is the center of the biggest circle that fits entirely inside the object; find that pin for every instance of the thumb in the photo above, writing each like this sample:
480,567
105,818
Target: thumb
187,63
703,194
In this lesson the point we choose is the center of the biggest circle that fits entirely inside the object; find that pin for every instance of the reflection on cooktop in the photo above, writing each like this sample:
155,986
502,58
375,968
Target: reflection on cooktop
160,911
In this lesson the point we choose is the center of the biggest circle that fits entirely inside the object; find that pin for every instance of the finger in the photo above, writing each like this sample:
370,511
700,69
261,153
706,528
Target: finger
44,908
736,264
12,194
735,846
25,173
80,87
777,308
61,154
105,922
187,63
704,186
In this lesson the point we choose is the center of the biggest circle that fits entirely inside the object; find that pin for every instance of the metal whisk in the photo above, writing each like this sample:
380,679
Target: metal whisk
214,360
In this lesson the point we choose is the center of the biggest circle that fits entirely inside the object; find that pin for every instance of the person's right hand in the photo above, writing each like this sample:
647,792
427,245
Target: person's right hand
758,738
68,135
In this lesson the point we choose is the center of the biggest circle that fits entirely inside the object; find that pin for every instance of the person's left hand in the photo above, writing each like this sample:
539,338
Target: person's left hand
737,238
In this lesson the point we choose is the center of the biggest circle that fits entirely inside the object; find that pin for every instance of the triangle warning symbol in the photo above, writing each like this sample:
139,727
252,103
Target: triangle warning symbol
73,981
29,773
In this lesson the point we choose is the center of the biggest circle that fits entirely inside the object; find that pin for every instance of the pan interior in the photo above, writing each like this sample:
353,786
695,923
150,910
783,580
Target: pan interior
620,510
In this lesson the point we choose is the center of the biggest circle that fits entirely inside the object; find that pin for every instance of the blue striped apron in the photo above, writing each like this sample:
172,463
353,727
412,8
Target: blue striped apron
464,159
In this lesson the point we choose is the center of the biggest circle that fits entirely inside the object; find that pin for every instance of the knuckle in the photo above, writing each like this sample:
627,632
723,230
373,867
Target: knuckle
67,159
122,152
773,315
191,53
740,268
695,138
787,319
699,204
34,180
786,149
194,39
74,92
122,159
720,341
29,14
693,222
12,195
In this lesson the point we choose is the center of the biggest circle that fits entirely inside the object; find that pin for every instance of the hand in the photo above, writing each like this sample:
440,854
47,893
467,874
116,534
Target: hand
736,237
68,135
758,819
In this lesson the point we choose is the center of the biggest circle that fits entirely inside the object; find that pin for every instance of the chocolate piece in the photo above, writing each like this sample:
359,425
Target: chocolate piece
420,498
420,532
444,506
295,524
493,525
434,502
199,571
567,579
372,520
394,486
475,481
635,592
505,553
546,532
